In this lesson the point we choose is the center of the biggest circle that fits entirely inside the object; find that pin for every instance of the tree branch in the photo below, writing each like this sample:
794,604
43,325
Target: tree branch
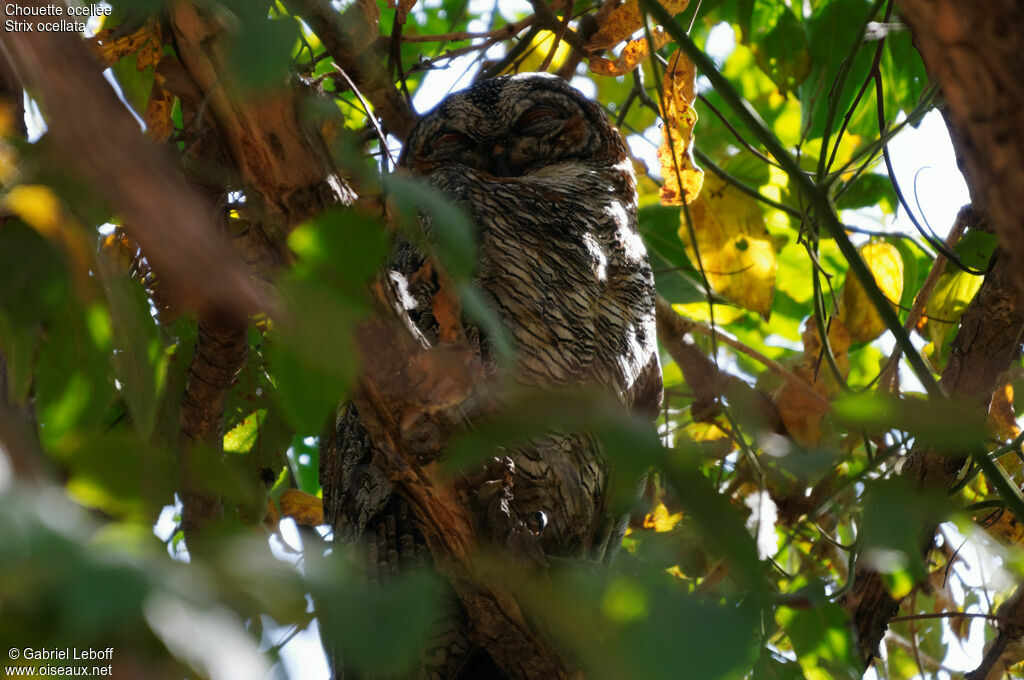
706,380
171,224
282,163
1005,651
365,67
402,382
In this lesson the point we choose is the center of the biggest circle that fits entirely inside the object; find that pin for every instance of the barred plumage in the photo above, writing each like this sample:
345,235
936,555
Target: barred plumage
548,185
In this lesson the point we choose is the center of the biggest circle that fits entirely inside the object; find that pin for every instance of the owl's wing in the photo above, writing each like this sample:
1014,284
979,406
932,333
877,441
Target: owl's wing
648,391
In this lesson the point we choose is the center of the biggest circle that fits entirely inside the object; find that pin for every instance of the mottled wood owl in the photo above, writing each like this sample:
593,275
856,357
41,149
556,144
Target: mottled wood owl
549,188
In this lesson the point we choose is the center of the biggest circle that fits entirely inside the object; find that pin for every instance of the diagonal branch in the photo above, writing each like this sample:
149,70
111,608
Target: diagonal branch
365,67
171,223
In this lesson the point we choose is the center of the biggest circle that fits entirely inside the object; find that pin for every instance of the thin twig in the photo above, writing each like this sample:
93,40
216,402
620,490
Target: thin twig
887,379
369,113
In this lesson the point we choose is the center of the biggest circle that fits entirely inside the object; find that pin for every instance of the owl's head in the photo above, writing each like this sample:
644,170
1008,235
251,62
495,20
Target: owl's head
512,126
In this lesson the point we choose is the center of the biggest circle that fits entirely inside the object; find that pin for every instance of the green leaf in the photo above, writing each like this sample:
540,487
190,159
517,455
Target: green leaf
262,49
717,520
895,514
139,361
33,280
833,31
643,625
866,191
771,667
673,272
136,85
121,474
380,630
903,74
945,425
822,639
450,232
782,53
630,444
311,351
305,462
73,388
975,249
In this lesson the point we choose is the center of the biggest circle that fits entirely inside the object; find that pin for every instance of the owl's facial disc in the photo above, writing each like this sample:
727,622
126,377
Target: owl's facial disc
510,127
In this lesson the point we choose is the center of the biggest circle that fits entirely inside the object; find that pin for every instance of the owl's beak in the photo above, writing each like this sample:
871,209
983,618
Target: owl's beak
499,162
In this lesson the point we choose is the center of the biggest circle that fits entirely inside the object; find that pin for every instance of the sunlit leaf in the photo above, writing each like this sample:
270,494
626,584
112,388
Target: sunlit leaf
869,190
304,508
782,52
947,304
241,437
626,20
822,639
541,48
682,177
833,30
632,54
311,349
855,309
734,248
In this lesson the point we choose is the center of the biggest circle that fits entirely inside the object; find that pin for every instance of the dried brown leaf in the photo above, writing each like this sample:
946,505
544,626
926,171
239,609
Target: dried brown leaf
624,21
632,54
683,178
158,114
800,412
303,507
110,50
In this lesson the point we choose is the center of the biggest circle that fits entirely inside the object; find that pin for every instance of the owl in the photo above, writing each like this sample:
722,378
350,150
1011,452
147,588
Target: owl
548,185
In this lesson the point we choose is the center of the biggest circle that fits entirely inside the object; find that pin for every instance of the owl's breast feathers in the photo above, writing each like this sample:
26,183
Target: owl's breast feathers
563,264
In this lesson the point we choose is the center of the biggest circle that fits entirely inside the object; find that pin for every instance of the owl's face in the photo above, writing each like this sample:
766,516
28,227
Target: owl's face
512,126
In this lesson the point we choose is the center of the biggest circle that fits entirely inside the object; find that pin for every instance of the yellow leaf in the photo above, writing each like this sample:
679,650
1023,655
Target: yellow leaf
304,508
683,179
624,21
855,309
540,47
661,520
632,54
37,206
1002,421
42,210
110,50
736,251
953,292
